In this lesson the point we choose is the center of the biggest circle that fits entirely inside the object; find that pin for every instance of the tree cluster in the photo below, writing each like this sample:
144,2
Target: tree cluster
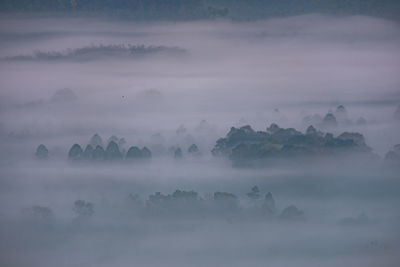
246,144
94,151
184,204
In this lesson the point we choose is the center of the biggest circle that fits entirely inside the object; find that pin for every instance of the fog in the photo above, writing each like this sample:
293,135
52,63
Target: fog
168,85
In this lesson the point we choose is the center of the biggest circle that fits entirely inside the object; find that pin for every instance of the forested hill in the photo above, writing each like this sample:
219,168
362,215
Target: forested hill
205,9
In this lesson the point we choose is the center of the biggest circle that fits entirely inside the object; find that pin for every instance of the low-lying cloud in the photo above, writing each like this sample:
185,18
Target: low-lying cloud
169,86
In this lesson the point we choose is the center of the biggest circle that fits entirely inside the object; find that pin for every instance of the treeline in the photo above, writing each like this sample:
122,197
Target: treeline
139,9
243,146
188,204
95,151
201,9
114,150
100,51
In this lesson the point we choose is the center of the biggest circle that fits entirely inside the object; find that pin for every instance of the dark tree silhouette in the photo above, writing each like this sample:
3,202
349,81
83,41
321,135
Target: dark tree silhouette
134,153
42,152
75,153
88,153
146,153
194,150
96,140
112,152
98,153
329,120
178,153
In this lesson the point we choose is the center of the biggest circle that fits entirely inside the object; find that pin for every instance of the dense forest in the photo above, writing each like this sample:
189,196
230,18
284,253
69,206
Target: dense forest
203,9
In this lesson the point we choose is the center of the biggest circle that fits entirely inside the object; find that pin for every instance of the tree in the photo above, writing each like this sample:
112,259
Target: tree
393,156
112,152
269,204
42,152
292,213
75,153
96,140
134,153
311,130
254,193
88,153
178,153
98,153
146,153
39,213
83,208
357,138
194,150
329,120
341,113
273,128
187,196
113,138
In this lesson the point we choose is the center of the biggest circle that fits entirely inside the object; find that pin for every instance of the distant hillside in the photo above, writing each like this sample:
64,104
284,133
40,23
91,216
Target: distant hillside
97,52
203,9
